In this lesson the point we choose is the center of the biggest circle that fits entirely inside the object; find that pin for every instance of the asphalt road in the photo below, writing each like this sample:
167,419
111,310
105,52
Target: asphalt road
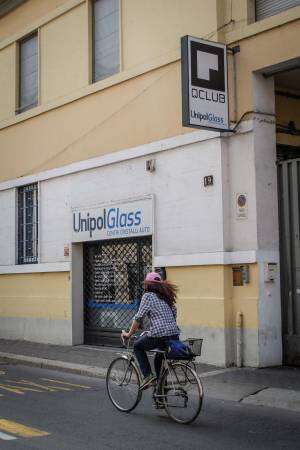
43,409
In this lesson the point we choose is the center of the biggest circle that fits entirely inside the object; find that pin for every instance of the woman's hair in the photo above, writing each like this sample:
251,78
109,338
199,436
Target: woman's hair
163,289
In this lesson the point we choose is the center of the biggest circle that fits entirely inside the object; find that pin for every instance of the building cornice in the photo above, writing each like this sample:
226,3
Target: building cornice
124,155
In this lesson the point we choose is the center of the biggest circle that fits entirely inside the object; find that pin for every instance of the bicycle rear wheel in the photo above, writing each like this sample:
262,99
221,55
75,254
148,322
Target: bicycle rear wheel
122,384
182,393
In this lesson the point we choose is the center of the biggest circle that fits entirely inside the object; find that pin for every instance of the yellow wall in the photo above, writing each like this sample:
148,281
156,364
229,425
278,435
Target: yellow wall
7,89
275,46
207,297
141,110
64,57
27,13
154,28
36,295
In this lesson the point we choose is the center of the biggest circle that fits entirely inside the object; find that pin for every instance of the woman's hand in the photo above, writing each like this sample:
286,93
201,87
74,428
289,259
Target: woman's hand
125,335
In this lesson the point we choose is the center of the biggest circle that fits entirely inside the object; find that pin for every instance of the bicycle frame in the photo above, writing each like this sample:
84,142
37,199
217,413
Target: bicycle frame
167,365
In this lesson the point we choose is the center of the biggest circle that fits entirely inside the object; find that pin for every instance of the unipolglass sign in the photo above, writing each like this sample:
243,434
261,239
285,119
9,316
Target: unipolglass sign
112,221
204,84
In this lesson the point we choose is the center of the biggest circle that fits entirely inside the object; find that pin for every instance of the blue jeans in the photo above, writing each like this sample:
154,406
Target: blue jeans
146,343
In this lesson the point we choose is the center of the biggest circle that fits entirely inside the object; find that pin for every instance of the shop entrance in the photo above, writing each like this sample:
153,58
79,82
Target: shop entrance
114,271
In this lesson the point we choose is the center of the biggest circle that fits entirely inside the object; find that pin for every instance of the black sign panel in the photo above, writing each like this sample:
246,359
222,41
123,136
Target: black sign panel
204,84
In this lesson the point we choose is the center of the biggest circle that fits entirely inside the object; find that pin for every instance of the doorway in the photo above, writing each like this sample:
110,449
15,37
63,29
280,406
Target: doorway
114,271
289,223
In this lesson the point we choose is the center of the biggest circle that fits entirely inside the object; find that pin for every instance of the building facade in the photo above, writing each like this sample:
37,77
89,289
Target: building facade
100,182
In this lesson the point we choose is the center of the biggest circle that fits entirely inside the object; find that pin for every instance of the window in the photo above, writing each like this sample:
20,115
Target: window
105,38
28,224
28,73
266,8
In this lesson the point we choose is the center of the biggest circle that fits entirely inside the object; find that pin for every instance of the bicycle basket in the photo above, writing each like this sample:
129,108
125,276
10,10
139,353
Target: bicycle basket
195,345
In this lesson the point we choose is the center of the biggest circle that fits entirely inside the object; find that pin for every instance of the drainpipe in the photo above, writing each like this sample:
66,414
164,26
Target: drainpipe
239,339
233,51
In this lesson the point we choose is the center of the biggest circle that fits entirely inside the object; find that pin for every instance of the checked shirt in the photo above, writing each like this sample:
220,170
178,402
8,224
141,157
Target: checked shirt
162,317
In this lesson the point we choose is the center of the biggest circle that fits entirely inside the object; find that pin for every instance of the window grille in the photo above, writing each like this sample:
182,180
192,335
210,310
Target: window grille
28,73
267,8
105,38
28,224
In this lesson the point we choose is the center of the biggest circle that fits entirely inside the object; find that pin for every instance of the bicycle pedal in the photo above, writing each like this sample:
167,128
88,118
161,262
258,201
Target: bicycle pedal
158,405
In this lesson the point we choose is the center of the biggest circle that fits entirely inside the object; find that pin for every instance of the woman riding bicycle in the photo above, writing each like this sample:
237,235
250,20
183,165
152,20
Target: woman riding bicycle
158,304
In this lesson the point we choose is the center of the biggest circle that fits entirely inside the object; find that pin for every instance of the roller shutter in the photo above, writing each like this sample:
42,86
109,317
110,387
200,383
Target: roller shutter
266,8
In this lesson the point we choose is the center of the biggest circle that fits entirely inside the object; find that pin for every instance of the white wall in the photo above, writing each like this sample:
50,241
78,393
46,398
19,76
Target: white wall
55,219
7,227
241,174
190,219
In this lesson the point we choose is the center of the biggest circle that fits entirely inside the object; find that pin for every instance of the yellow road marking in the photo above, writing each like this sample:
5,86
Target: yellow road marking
47,388
9,389
21,387
65,382
20,430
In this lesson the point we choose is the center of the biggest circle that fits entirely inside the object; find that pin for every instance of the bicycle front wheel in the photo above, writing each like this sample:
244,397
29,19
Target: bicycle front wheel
182,393
123,384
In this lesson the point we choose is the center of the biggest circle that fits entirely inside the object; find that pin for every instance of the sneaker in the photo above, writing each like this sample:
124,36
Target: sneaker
147,381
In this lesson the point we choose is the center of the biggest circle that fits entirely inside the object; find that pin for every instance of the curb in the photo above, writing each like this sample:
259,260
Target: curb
79,369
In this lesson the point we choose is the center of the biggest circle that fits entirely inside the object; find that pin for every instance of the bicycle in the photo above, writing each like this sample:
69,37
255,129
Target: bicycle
178,389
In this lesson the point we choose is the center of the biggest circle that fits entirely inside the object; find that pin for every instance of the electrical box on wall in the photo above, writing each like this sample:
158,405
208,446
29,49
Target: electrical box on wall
161,271
270,272
240,275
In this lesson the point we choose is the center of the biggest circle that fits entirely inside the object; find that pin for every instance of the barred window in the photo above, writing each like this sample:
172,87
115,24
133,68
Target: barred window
105,38
28,224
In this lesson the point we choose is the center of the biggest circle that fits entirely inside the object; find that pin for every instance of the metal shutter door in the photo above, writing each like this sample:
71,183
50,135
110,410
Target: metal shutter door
28,73
266,8
106,38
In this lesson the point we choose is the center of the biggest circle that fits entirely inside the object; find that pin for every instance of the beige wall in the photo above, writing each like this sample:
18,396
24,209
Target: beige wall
207,297
64,57
154,28
143,109
207,307
260,51
39,295
26,14
7,89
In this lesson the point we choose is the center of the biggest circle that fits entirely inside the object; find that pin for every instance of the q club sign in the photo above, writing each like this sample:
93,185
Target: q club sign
113,221
204,84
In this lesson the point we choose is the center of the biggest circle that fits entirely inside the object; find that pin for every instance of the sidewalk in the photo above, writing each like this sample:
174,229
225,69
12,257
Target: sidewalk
274,387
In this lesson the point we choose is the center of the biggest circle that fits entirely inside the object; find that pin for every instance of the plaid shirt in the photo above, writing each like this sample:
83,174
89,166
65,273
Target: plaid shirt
162,317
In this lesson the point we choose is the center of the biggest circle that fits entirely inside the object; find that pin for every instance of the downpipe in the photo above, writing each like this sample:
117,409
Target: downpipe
239,339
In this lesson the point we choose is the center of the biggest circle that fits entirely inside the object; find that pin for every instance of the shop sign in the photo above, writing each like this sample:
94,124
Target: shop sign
204,84
130,219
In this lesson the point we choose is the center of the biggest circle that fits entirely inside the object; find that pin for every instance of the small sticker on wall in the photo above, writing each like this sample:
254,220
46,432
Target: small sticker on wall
241,206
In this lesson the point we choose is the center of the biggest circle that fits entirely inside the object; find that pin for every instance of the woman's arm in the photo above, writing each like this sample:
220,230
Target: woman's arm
134,327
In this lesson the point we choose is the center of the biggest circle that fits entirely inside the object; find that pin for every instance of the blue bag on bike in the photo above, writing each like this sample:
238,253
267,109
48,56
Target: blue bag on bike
179,350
